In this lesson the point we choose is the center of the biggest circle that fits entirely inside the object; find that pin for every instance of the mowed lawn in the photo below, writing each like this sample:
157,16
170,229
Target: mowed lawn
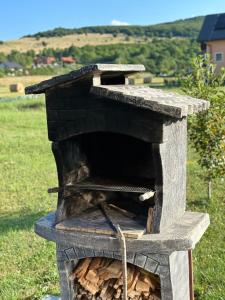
27,169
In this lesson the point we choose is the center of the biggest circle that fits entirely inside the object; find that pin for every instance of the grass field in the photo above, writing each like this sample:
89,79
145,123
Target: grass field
25,80
27,169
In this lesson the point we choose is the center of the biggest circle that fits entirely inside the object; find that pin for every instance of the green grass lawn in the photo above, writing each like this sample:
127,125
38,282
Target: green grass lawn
27,169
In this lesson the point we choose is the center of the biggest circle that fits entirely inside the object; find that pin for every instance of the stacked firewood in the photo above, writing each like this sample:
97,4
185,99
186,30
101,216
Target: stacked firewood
101,279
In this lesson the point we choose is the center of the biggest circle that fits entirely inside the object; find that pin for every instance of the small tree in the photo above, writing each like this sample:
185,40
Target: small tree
207,130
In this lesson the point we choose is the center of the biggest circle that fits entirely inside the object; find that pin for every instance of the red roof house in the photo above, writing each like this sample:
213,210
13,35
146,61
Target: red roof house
68,59
44,60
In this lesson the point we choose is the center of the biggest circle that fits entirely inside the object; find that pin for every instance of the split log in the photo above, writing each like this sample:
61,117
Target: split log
82,268
135,279
91,275
142,286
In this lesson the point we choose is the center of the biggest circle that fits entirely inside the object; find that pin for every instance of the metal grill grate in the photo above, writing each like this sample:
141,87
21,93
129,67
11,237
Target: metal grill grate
97,184
111,185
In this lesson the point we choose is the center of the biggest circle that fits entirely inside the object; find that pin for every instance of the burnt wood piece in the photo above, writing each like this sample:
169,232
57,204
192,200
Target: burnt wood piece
171,104
87,72
71,167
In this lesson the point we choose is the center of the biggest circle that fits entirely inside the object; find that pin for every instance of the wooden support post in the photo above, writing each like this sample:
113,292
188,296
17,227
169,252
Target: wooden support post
191,279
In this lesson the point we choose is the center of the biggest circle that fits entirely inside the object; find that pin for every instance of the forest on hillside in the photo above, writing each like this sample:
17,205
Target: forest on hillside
180,28
161,56
168,52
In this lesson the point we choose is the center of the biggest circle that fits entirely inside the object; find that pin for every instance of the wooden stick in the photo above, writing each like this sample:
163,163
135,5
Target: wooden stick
123,211
124,259
191,279
122,240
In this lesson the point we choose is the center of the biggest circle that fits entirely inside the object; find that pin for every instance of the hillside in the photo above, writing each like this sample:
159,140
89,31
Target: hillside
181,28
62,38
63,42
164,48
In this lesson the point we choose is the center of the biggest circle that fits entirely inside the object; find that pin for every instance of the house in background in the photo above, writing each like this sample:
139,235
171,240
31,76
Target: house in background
212,38
68,60
11,66
44,60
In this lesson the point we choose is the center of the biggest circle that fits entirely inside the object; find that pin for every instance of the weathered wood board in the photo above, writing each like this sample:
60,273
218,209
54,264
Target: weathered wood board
94,221
170,104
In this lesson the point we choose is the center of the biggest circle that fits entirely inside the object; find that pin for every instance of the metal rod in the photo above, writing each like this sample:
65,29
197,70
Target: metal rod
191,277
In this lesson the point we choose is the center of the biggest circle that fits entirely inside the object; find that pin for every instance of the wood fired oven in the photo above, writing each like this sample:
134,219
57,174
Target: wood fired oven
120,152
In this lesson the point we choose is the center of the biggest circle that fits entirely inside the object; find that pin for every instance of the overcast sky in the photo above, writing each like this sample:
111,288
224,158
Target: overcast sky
21,17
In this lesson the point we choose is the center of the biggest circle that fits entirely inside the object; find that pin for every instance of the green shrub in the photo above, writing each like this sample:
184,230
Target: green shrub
207,130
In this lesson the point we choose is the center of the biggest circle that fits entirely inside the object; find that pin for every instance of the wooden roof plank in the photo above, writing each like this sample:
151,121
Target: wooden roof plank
171,104
83,73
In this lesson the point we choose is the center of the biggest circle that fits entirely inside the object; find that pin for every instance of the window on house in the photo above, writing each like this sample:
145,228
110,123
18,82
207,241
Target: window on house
219,57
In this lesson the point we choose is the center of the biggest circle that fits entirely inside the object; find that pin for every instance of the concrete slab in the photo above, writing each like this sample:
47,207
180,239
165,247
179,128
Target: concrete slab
180,236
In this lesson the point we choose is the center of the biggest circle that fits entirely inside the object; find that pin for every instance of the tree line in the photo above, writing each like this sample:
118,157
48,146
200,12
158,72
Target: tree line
180,28
161,56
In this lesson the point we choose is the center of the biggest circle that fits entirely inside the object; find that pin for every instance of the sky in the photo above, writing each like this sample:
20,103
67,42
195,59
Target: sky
22,17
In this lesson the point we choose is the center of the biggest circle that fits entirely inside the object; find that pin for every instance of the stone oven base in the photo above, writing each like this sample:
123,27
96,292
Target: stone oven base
163,254
173,269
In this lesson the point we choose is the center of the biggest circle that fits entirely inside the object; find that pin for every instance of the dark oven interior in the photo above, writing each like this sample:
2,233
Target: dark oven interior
108,167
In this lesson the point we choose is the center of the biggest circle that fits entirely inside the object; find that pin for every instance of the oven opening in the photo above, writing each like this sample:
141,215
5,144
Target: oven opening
108,174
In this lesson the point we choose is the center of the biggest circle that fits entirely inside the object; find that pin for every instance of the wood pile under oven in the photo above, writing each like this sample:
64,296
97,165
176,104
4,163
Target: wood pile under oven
101,279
